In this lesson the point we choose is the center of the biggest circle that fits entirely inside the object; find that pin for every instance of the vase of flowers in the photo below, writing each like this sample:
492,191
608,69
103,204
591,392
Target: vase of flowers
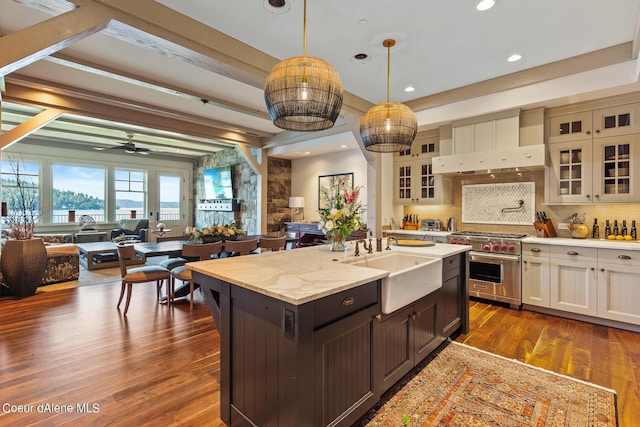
341,217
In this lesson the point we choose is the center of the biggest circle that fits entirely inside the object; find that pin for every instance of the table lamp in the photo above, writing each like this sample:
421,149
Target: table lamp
296,203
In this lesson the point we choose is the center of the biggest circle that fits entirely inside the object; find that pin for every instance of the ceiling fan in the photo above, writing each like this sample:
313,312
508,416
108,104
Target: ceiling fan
130,147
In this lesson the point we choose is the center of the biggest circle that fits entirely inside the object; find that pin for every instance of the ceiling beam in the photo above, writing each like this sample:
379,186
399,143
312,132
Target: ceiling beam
589,61
27,127
33,43
29,92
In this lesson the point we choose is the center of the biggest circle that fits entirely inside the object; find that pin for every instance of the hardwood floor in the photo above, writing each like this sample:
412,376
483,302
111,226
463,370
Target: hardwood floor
160,365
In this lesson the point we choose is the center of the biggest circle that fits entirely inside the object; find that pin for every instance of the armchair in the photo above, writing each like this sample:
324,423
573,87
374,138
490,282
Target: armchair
132,229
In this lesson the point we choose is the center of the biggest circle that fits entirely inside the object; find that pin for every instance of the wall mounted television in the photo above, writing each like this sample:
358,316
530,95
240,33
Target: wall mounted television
218,183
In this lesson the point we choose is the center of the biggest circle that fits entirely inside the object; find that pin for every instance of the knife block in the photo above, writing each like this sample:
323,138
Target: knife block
544,229
410,225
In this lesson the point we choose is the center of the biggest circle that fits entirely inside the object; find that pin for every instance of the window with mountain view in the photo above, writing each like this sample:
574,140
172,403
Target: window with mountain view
80,189
131,193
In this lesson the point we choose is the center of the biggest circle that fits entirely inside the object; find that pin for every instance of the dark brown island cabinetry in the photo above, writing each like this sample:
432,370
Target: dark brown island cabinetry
325,362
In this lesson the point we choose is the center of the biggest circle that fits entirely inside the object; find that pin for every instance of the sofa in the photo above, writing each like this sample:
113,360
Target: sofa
63,264
131,229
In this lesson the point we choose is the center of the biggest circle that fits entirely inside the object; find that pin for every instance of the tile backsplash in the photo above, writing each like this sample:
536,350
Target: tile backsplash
557,213
510,203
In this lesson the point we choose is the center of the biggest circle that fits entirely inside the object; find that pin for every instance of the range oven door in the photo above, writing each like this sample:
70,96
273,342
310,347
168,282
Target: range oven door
495,276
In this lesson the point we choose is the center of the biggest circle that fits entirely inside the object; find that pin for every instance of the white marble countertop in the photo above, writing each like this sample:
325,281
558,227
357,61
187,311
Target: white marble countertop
417,232
301,275
632,245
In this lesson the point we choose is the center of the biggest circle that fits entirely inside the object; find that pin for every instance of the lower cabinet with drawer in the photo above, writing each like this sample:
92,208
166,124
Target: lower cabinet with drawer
602,285
325,362
573,277
619,285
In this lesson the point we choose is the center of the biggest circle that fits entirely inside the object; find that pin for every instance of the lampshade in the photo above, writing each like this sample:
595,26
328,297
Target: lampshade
388,126
296,202
303,93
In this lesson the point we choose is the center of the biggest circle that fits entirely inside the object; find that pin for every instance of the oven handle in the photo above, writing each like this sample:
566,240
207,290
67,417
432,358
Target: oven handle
489,257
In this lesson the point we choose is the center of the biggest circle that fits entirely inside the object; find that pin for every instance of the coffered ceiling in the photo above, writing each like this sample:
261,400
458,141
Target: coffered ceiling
186,77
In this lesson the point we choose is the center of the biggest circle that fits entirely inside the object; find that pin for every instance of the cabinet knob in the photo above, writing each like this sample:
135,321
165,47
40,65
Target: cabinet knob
572,253
379,316
624,257
589,132
536,250
597,131
597,196
588,196
593,268
524,261
602,269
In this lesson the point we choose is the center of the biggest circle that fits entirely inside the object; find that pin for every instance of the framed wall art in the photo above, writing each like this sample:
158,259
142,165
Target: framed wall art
329,184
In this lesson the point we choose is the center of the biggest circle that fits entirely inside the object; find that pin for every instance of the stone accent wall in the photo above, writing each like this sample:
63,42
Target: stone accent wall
278,192
245,183
244,189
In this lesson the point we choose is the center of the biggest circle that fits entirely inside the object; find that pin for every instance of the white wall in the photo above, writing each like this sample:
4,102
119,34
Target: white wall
305,173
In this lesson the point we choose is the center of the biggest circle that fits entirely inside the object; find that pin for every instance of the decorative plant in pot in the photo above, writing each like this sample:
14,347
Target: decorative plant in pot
23,258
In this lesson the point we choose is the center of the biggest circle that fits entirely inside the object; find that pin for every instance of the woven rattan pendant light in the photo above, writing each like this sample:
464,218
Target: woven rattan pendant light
303,93
388,126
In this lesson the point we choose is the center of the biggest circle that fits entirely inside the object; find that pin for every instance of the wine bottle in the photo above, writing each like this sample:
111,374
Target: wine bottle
595,233
623,231
607,229
634,232
616,230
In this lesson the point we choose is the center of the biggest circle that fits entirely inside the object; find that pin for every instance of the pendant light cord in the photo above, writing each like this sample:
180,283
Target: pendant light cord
304,30
388,71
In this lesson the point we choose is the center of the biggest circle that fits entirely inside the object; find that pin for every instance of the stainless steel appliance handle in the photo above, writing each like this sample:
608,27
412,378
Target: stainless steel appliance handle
488,256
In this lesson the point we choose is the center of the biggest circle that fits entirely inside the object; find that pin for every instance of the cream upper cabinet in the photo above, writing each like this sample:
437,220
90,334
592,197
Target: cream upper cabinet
414,180
415,183
569,173
426,144
496,134
599,123
600,170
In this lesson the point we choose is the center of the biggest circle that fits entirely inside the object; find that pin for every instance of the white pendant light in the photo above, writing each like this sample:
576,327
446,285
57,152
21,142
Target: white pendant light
389,126
303,93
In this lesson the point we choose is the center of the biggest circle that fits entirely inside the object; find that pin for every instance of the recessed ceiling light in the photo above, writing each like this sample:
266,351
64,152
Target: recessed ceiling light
343,146
485,5
409,89
360,58
515,57
306,153
277,7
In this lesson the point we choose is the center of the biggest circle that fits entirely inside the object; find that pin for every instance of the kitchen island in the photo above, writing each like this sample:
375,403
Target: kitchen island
303,339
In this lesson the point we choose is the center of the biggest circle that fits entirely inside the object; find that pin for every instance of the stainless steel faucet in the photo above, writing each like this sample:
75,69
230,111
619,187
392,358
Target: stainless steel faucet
388,239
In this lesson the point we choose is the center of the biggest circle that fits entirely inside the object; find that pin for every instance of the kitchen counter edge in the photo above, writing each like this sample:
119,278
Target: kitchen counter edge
633,245
302,275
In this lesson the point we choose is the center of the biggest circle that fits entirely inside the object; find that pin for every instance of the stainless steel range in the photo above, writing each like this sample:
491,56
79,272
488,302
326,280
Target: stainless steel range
494,265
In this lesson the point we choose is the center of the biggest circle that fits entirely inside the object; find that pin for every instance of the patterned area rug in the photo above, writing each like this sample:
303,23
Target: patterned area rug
468,387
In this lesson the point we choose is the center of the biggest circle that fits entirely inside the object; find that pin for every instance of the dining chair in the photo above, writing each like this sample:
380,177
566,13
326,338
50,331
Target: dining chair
202,252
146,273
240,247
272,243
